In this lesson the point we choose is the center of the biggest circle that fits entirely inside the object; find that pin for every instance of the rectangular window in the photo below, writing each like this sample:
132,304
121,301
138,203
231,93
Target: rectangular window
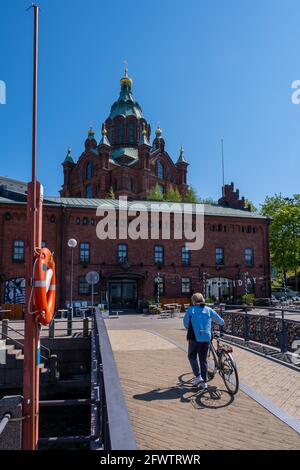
185,285
185,256
84,253
43,244
83,287
219,256
159,254
249,258
122,252
18,250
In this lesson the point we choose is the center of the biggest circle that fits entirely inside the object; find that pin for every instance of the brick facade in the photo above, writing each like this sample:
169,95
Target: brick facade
61,222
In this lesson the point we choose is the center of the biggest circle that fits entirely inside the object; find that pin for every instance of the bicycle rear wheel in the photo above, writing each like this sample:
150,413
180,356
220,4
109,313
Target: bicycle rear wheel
229,373
212,362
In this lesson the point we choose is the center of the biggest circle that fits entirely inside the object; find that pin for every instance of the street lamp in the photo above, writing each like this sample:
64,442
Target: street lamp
72,243
158,280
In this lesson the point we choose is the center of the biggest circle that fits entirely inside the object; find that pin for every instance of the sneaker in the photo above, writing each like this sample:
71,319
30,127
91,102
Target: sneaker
197,380
203,385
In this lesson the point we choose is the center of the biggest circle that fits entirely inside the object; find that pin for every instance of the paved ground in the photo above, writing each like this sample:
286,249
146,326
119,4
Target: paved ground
167,413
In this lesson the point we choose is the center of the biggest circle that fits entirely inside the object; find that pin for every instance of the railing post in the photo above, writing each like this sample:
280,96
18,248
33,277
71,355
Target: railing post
4,328
246,325
69,322
85,327
54,374
283,335
52,329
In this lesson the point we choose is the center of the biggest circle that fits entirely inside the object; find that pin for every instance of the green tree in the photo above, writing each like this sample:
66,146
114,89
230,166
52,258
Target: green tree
284,232
207,200
111,194
191,195
250,204
155,194
172,195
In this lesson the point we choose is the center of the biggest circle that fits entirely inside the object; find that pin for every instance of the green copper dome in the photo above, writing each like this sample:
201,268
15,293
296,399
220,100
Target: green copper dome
126,105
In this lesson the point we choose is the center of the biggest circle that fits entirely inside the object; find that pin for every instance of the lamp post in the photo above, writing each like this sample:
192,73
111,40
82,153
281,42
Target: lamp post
72,243
158,280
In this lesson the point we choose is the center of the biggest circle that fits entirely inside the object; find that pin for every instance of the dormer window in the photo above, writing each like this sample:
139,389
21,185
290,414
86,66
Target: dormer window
159,170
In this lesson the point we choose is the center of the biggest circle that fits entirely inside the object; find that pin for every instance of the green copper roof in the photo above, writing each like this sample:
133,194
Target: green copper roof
104,140
209,209
126,105
181,158
69,157
119,155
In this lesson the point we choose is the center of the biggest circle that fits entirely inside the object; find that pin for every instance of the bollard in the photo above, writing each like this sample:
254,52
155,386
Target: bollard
5,328
52,329
69,322
85,327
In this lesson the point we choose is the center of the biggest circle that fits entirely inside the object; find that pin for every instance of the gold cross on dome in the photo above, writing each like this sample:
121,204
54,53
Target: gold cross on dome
126,67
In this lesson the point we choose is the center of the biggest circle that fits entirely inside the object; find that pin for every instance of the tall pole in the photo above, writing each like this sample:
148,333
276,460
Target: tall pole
71,287
223,177
34,236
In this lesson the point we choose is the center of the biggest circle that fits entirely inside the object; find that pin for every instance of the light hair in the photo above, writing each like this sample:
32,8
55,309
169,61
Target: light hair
198,298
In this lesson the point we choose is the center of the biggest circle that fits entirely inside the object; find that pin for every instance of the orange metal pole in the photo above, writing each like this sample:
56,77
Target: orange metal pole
34,235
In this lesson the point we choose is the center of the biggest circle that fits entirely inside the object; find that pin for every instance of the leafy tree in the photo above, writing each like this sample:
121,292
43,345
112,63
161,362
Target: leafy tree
111,194
207,200
250,205
172,195
155,194
284,232
191,195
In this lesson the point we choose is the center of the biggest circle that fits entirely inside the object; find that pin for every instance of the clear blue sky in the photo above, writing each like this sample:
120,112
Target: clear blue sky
205,69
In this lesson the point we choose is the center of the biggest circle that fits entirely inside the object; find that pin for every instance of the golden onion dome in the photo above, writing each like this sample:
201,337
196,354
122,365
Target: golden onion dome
158,131
126,80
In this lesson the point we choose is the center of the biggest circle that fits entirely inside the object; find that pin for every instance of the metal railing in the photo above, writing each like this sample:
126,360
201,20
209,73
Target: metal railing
109,421
6,327
110,424
278,332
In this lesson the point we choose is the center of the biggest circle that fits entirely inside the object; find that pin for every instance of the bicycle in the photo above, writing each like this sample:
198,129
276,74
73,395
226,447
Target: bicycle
220,360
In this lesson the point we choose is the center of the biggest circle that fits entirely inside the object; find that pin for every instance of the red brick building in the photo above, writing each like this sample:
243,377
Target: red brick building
236,243
124,161
234,259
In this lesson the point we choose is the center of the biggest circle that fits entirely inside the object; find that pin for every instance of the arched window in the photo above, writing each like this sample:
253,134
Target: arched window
131,132
120,133
159,170
89,191
89,170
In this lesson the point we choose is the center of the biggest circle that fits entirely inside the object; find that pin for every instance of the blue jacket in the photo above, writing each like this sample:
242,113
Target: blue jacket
201,318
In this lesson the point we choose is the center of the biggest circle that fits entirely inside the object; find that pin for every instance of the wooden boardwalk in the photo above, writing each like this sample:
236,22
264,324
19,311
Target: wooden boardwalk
167,413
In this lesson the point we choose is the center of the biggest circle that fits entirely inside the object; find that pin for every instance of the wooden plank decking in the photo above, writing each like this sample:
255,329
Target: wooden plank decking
166,413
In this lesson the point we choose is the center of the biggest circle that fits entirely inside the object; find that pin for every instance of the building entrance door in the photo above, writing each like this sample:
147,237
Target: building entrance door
123,294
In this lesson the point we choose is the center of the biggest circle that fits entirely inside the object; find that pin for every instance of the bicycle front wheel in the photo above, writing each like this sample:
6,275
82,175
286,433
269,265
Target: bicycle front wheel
229,373
212,362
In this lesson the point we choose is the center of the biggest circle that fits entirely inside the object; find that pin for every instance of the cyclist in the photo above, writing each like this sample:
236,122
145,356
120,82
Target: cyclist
198,321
